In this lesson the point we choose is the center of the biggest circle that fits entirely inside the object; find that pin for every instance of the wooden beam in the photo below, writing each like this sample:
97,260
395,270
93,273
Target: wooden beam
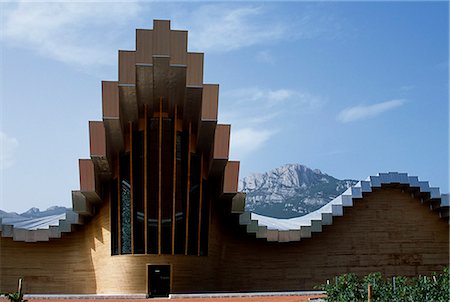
200,206
159,176
188,188
145,179
174,178
119,205
130,125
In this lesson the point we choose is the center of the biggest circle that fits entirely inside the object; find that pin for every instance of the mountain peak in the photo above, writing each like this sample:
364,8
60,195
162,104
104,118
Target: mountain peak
290,190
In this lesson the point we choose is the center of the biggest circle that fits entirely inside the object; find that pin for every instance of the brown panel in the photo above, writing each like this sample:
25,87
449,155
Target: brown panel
194,69
127,67
145,177
87,175
130,126
188,189
210,101
144,46
174,178
119,241
178,47
144,85
161,37
97,139
110,99
161,81
200,207
159,177
231,177
222,141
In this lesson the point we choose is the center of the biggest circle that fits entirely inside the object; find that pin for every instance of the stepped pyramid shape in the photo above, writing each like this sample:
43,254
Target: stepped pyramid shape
158,210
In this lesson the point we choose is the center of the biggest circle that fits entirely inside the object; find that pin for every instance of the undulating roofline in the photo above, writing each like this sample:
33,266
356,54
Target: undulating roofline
264,227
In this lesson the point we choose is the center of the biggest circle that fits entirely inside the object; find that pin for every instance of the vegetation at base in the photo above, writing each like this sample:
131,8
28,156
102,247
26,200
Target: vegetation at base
349,287
15,296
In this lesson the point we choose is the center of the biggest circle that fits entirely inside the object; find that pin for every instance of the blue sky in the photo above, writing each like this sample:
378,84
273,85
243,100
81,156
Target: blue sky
352,88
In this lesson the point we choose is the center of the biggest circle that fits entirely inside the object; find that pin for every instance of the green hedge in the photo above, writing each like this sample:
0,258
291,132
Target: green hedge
349,287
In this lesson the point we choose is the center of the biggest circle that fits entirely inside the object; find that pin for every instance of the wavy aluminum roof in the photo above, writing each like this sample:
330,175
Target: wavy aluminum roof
269,228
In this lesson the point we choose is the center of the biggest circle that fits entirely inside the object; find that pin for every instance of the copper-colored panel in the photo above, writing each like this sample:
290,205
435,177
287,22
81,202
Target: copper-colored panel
192,107
161,37
110,99
210,101
114,136
178,47
144,46
160,80
87,175
144,85
194,69
145,176
127,68
222,142
177,86
128,103
97,139
231,177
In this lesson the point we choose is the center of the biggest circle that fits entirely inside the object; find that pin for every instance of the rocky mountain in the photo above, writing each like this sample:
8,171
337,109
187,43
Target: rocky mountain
35,212
290,191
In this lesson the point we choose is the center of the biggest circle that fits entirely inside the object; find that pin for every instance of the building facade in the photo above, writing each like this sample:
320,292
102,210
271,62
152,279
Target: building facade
159,210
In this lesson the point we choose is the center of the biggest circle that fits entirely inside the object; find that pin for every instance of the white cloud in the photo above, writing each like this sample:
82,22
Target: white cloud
8,146
257,114
221,28
244,141
265,56
360,112
269,98
68,32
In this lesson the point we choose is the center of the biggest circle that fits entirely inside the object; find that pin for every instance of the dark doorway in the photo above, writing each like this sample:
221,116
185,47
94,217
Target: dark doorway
158,280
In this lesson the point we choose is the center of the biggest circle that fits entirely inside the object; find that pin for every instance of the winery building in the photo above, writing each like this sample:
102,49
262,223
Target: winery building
158,210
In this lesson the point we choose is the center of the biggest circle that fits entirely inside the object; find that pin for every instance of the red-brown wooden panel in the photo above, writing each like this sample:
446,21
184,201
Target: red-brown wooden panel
178,47
222,142
144,46
97,138
87,175
161,37
210,101
127,67
110,99
194,69
231,177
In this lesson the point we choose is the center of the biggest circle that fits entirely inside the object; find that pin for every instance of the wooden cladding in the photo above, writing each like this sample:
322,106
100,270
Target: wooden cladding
97,139
144,46
194,75
110,99
231,178
87,175
210,102
222,142
127,69
161,197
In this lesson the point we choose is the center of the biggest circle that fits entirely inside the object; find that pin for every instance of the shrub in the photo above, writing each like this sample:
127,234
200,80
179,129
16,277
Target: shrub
349,287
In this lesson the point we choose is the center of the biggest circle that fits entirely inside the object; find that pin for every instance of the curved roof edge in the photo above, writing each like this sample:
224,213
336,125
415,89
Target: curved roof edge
294,229
39,229
271,229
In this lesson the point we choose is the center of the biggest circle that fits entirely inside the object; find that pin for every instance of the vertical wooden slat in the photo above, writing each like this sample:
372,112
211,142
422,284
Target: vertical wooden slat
119,203
130,124
174,178
188,188
145,179
200,206
159,176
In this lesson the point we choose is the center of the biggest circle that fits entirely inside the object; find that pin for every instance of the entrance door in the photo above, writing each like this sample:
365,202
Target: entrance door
158,280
